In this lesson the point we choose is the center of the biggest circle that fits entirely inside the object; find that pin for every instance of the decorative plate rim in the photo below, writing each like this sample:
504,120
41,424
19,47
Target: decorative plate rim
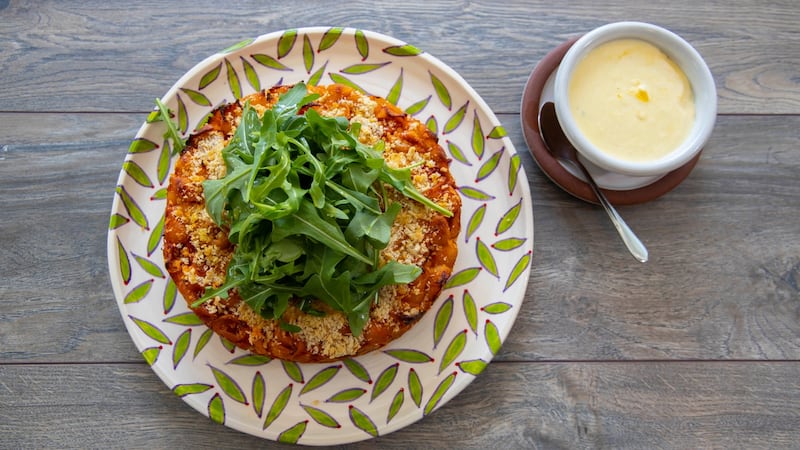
462,346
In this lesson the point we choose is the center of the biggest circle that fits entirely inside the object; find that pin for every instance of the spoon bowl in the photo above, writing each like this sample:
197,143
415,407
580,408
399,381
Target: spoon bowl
562,149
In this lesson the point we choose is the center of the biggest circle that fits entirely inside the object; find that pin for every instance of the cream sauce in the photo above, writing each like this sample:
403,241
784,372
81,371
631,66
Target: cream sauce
631,100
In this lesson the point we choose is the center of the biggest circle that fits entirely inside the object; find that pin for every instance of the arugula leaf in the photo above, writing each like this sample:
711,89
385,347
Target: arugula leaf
301,200
172,134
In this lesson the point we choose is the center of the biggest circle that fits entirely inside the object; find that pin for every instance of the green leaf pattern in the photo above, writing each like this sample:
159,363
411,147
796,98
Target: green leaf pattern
331,400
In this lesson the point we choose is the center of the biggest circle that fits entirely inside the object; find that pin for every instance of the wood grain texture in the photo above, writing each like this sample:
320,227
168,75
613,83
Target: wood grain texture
103,56
563,405
722,282
698,348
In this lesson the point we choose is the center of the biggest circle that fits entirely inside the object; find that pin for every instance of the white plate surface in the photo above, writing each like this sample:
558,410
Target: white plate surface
373,394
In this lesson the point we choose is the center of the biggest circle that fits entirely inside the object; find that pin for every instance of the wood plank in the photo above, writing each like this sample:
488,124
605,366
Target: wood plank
726,290
531,405
88,57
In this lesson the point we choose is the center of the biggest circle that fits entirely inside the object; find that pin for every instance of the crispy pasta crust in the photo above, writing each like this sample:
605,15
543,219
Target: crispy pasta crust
197,251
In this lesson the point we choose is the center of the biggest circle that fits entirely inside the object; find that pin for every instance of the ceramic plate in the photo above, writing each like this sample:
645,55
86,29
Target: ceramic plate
373,394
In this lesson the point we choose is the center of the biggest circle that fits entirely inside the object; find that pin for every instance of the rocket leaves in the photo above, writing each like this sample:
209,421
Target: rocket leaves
304,203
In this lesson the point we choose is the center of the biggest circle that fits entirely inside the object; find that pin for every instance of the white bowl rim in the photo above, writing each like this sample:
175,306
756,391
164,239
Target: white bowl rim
683,54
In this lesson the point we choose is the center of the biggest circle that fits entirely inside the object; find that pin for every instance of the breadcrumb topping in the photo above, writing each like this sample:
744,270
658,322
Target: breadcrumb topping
197,251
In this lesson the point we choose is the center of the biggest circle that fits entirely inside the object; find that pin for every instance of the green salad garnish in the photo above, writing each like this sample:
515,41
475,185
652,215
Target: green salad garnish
305,205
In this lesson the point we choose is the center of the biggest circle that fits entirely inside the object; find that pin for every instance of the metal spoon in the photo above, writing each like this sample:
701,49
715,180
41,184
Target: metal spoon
562,149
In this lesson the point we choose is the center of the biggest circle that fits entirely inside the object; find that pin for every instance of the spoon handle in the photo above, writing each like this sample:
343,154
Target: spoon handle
635,246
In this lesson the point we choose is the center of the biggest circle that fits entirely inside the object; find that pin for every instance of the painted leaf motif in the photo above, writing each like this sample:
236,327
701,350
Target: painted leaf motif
293,370
181,346
394,93
153,241
149,266
497,132
229,346
162,169
508,244
492,336
418,106
415,387
457,153
270,62
116,221
485,257
228,385
455,120
188,319
233,80
124,262
473,367
286,42
432,124
321,417
197,97
150,354
133,209
346,395
308,54
475,193
293,434
320,378
250,360
513,172
345,81
142,145
454,350
362,45
182,390
329,38
478,144
441,91
463,277
518,270
278,406
409,355
488,167
443,316
183,117
210,76
153,117
313,80
475,221
216,409
497,307
202,342
470,311
362,421
251,75
397,403
508,219
258,393
170,293
402,50
151,331
136,173
160,194
357,370
362,68
441,389
385,379
242,44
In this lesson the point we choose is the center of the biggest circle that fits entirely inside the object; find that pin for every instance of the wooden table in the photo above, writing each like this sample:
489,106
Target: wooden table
700,347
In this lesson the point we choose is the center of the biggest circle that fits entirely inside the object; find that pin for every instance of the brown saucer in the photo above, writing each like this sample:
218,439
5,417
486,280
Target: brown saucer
529,115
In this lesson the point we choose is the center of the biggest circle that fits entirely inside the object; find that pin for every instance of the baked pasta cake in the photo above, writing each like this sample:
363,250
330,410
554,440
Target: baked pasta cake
198,250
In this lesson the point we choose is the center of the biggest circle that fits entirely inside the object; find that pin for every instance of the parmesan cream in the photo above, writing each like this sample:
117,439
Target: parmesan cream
631,100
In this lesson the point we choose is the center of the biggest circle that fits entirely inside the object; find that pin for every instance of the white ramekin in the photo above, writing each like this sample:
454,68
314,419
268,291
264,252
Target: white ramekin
677,49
